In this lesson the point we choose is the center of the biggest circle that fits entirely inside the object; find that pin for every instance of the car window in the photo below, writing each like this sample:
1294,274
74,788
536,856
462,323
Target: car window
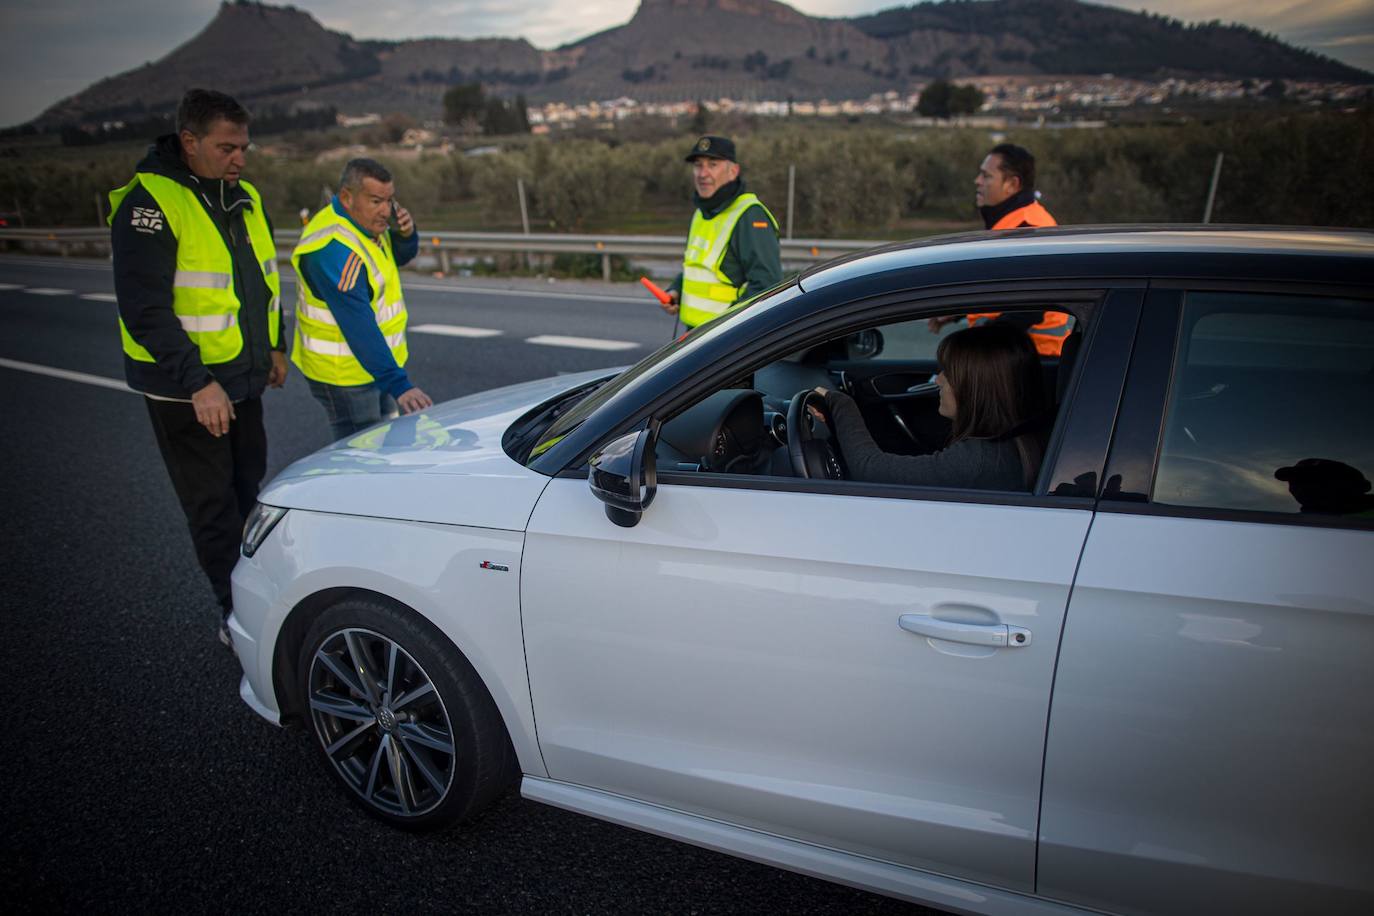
1269,406
553,429
915,339
890,426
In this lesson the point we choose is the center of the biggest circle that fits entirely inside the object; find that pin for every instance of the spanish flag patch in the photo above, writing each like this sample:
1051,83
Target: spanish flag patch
348,277
760,224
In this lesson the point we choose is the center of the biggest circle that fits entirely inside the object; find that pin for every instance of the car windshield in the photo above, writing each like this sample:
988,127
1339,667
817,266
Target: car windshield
570,419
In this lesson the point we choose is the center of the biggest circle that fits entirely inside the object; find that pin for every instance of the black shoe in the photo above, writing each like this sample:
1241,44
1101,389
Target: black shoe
226,638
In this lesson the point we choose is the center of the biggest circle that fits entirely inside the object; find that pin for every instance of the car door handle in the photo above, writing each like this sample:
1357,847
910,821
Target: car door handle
997,635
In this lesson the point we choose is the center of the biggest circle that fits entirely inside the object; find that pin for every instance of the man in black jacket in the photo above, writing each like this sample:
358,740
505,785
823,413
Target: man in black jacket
196,278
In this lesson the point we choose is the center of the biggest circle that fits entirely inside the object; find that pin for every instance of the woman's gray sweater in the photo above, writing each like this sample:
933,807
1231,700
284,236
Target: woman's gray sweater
979,464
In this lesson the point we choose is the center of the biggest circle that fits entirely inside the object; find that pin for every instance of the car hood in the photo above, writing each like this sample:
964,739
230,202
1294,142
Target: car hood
442,465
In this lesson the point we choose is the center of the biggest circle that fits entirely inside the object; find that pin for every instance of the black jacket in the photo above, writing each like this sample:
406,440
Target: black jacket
145,253
1015,202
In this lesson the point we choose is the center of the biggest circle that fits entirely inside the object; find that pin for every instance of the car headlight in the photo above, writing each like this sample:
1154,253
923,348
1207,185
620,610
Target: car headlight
260,523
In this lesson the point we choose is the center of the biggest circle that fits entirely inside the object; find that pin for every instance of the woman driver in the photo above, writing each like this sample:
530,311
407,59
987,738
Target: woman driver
991,390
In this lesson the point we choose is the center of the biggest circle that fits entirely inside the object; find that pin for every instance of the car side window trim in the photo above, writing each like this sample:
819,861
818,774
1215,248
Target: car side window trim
1076,455
857,488
1238,515
1134,449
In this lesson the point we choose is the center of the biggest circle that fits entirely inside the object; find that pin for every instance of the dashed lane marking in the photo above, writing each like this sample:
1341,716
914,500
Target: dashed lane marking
66,374
101,297
47,291
580,343
19,260
455,330
10,286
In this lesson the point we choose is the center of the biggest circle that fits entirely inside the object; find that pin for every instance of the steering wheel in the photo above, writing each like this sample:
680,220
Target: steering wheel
812,457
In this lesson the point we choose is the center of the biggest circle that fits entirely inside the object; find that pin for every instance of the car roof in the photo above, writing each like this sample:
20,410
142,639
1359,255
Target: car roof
1182,240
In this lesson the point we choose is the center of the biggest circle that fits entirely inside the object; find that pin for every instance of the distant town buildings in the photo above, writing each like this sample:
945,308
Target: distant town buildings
1006,97
1051,102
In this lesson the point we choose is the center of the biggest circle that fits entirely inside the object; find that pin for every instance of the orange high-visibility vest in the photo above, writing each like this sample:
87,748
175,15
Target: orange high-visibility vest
1032,214
1049,334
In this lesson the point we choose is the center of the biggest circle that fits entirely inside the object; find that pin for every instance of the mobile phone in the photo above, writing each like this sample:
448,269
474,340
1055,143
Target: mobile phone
393,219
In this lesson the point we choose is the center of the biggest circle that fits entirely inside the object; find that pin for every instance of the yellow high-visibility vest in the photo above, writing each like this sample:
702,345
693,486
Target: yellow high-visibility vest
319,349
706,292
203,296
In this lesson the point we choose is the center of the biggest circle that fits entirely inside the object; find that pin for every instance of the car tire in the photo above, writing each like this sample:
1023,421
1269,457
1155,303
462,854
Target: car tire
400,717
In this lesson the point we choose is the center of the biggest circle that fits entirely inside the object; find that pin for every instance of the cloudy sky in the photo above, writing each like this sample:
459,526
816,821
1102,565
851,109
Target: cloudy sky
58,47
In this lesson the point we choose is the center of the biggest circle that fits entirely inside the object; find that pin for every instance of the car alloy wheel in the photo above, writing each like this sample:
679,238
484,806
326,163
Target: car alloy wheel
381,722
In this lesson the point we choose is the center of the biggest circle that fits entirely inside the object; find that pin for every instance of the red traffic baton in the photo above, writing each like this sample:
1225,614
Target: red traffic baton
658,291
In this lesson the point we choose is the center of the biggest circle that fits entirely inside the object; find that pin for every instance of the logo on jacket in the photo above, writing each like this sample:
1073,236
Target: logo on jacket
487,564
147,219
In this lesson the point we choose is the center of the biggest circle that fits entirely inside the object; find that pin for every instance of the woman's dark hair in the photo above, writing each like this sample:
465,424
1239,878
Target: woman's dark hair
994,371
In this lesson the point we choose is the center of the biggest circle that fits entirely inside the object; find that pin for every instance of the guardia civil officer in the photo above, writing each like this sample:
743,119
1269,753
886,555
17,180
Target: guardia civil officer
732,247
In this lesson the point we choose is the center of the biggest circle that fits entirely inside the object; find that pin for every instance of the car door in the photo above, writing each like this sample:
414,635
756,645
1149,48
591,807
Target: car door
1212,732
813,659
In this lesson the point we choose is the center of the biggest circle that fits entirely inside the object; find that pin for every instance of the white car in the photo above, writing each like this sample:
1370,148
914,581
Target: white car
1143,685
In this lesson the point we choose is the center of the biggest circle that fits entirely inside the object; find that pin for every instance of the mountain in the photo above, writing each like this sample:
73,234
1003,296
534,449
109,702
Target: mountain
966,37
687,49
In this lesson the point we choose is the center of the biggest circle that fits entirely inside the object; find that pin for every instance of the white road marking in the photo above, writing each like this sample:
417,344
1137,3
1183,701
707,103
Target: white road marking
47,291
57,263
580,343
10,286
101,297
289,277
67,374
456,330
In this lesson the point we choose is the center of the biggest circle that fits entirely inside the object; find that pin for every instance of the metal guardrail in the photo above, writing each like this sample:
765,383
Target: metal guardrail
444,246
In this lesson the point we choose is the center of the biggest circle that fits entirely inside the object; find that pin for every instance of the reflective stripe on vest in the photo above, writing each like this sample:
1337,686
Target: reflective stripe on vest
325,316
202,279
706,292
207,324
337,348
320,350
203,295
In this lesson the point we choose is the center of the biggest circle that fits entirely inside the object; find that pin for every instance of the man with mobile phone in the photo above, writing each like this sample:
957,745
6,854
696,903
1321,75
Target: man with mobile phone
350,339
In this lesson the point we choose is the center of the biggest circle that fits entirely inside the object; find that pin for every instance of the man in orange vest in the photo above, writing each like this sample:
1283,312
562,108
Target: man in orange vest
1004,192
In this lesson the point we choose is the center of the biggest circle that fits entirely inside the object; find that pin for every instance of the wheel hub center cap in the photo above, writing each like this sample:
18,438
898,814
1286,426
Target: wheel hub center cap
386,719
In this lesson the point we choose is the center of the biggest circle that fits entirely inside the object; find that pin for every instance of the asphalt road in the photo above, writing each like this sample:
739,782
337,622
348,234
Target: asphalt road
134,779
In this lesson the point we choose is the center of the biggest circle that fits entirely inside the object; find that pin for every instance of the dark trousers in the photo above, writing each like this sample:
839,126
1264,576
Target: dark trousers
216,480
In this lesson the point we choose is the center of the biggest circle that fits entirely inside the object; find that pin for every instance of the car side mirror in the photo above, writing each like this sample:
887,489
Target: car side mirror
866,344
624,476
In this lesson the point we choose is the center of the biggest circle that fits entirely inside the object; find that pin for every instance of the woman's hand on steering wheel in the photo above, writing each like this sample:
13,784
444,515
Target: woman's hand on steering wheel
817,408
812,457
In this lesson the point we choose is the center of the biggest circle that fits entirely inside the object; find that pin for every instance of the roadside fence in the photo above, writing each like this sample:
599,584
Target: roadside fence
448,248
